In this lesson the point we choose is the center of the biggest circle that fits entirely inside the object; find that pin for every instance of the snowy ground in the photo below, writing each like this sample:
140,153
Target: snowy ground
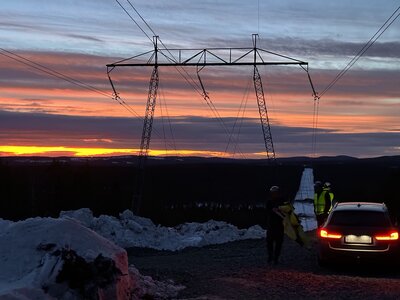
88,252
35,251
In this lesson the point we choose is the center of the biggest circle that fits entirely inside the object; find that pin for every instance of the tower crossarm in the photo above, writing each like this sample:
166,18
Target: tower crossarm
209,57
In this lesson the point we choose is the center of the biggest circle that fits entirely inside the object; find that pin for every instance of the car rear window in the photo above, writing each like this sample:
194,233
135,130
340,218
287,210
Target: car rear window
359,218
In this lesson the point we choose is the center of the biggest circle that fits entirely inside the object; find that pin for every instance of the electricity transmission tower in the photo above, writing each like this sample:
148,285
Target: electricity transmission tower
199,58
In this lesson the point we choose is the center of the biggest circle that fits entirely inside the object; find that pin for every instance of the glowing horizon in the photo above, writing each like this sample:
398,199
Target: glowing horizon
56,151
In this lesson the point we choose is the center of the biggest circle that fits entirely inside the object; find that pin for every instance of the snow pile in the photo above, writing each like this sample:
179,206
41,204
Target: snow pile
132,231
46,258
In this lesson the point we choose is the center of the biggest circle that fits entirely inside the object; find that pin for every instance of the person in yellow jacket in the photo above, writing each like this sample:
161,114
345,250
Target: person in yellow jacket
323,198
292,225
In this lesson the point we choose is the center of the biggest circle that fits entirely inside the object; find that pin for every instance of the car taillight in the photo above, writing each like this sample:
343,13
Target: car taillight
329,235
388,237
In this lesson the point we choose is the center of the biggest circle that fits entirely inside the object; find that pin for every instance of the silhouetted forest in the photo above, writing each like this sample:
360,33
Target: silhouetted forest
183,190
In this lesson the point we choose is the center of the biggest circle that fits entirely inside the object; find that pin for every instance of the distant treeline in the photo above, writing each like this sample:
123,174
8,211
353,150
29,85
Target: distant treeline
175,193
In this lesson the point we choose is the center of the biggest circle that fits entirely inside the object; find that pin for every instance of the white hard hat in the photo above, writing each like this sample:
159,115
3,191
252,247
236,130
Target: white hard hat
274,188
327,185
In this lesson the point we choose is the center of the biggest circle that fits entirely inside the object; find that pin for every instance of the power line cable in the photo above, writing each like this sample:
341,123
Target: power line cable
137,24
238,115
32,64
242,118
168,118
258,17
163,127
214,110
28,62
191,82
51,72
361,52
163,102
144,21
42,68
315,127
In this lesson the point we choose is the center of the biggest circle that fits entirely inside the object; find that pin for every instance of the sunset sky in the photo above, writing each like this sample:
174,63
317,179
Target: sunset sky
44,115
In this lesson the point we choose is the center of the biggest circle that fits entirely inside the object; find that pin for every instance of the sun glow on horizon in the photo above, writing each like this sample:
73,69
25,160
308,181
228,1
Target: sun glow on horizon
54,151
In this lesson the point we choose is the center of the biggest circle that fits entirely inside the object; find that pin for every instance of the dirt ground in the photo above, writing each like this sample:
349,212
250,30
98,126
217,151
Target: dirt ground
239,270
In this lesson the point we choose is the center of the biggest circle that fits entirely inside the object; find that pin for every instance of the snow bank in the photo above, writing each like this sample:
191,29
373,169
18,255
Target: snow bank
132,231
46,258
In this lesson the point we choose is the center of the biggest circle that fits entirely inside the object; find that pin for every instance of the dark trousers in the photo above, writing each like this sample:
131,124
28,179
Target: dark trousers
321,219
274,243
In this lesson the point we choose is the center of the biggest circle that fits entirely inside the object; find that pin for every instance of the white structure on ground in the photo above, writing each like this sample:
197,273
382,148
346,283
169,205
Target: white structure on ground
304,200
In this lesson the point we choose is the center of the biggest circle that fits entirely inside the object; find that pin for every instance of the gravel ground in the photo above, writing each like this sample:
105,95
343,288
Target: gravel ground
238,270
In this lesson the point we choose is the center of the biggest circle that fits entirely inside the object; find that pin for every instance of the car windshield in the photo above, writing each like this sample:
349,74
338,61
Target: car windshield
359,218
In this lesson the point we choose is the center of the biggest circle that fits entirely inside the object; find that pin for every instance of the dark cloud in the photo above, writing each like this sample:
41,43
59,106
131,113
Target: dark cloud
84,37
14,25
334,48
311,48
195,133
360,144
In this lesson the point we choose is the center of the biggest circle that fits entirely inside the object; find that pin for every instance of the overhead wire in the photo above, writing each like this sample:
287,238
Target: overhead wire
389,21
188,78
246,93
32,64
361,52
137,24
192,82
163,127
214,109
162,99
42,68
315,127
144,21
316,97
258,17
169,122
242,117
